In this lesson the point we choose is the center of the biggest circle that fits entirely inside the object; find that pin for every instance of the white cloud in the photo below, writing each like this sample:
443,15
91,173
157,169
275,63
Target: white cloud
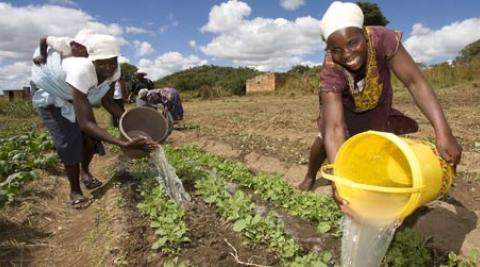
262,43
137,30
171,24
291,4
15,76
310,63
427,45
123,59
112,29
169,63
192,43
166,27
63,3
21,27
142,48
226,17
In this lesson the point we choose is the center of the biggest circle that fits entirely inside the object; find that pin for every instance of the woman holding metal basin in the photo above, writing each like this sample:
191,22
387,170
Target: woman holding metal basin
67,89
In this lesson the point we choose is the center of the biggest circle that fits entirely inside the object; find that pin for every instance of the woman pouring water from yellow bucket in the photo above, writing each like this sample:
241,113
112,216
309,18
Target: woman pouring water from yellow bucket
356,96
386,177
378,178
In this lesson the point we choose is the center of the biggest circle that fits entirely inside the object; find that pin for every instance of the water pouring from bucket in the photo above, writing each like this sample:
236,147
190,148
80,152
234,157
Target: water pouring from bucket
384,178
148,123
143,122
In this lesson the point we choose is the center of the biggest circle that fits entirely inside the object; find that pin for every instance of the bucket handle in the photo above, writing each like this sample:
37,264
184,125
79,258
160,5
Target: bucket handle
326,171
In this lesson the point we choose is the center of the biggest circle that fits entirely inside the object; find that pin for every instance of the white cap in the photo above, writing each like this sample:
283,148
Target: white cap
340,15
83,35
102,46
141,71
143,92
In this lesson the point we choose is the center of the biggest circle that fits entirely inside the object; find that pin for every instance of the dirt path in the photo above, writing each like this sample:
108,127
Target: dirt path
41,229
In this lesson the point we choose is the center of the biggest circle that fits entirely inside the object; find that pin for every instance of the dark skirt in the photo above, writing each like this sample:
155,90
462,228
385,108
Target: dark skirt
68,138
396,122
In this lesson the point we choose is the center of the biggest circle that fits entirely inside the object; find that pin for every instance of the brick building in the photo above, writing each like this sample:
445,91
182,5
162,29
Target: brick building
17,94
264,83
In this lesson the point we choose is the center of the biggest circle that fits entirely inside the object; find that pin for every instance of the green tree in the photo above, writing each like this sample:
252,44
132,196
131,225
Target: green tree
300,80
299,69
227,79
372,13
128,73
469,52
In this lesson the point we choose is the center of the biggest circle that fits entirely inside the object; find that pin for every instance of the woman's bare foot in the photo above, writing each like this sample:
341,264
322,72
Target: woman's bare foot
307,184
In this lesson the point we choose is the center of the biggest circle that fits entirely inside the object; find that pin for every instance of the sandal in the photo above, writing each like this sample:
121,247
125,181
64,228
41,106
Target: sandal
81,203
92,183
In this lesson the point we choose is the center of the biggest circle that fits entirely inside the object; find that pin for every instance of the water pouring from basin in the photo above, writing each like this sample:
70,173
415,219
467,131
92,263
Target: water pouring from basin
143,122
148,123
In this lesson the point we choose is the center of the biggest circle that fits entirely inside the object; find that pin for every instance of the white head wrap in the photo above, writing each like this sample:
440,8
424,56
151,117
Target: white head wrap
143,92
141,71
340,15
83,35
102,46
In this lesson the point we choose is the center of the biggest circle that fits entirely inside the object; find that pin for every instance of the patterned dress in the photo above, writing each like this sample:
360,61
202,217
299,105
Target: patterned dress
367,104
169,98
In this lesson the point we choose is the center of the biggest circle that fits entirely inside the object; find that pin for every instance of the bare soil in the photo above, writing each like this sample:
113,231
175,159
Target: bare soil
273,134
268,133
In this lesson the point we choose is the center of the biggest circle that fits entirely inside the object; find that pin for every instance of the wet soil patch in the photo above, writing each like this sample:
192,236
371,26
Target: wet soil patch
207,231
132,227
304,232
209,235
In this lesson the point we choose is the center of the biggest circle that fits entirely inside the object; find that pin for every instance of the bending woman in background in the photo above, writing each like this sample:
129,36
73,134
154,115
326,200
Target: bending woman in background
356,91
166,100
169,98
67,88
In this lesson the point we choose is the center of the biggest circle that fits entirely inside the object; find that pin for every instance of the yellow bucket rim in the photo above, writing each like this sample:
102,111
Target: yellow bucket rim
417,185
383,189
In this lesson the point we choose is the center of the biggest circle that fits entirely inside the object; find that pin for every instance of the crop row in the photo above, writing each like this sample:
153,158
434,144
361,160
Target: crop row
238,209
22,151
273,189
211,174
167,218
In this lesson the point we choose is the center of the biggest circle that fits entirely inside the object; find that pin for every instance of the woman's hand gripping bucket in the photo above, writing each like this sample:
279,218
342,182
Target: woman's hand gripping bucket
384,176
143,122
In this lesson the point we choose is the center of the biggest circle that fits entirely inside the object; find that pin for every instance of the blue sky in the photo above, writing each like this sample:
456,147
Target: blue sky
166,36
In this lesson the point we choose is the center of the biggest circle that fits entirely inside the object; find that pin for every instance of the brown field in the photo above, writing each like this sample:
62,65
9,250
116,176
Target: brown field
270,134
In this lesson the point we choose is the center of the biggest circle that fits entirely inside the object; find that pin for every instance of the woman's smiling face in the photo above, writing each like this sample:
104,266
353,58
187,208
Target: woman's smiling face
348,48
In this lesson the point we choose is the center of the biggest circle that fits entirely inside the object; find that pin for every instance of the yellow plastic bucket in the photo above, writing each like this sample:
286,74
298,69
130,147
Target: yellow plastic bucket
384,176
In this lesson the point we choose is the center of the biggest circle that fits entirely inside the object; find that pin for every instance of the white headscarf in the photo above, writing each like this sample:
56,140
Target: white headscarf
340,15
142,93
141,71
102,46
83,35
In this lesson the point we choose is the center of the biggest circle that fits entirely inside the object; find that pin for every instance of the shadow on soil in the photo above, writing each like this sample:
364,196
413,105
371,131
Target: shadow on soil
447,221
17,242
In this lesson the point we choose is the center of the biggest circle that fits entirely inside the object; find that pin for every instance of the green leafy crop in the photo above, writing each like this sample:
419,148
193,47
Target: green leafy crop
22,150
